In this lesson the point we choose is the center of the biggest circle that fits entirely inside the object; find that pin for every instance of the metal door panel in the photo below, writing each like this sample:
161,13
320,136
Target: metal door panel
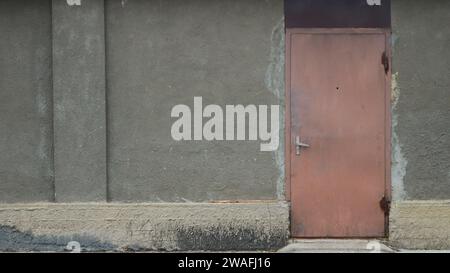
337,86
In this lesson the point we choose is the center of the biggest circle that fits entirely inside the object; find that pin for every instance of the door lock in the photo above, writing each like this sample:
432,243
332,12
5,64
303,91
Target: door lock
299,145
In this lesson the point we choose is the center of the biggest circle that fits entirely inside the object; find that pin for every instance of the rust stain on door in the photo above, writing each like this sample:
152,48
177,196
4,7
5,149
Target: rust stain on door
338,133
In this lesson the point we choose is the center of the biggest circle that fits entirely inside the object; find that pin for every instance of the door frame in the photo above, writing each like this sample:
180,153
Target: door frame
288,145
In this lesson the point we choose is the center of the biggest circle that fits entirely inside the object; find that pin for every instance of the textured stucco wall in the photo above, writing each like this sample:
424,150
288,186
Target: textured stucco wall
26,164
163,53
421,99
421,124
233,52
86,105
112,117
420,224
138,227
79,101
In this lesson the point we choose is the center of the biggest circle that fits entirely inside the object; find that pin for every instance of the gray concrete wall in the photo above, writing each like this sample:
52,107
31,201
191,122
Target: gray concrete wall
421,99
159,54
105,75
163,53
74,85
26,163
79,100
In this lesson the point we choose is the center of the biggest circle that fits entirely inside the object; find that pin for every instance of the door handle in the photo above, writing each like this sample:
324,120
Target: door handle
299,145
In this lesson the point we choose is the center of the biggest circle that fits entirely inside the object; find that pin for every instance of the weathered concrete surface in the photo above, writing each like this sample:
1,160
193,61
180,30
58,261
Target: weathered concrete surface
421,60
336,246
163,53
132,227
420,225
79,101
26,164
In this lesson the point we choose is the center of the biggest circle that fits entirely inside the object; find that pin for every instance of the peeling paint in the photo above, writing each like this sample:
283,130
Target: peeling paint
274,78
279,159
274,81
399,162
73,2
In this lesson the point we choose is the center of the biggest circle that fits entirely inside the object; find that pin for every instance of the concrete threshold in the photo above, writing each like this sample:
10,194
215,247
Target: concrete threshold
336,246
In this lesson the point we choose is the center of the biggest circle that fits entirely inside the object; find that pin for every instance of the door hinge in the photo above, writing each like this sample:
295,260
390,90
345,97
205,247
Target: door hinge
385,205
385,62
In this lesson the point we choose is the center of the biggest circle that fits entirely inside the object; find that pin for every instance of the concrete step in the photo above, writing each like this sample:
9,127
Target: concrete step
336,246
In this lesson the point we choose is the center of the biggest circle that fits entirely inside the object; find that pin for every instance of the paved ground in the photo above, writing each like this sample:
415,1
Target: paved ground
335,246
345,246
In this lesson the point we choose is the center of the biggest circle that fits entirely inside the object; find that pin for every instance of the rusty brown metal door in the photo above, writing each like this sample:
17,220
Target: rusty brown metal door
337,82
